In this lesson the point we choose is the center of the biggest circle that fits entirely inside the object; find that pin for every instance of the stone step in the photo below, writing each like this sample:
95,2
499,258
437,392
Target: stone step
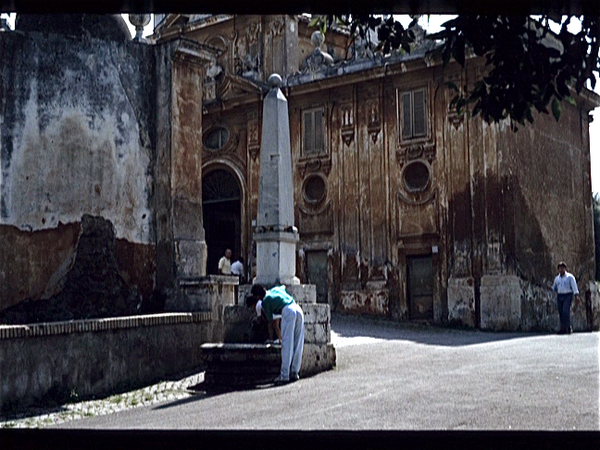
240,365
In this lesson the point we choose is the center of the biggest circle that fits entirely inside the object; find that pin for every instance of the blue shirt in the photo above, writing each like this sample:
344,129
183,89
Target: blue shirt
275,300
565,284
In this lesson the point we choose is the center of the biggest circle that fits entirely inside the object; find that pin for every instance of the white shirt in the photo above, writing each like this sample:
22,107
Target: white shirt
237,268
259,310
565,284
225,266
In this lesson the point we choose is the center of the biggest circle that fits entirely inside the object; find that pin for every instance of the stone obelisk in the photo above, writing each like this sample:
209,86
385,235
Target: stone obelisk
275,234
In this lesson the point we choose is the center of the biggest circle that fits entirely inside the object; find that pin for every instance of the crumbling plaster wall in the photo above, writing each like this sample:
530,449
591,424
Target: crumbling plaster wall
518,202
549,175
75,137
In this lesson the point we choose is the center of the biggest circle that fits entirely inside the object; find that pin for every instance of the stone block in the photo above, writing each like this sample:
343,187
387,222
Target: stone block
303,293
369,301
461,301
316,313
276,258
237,320
190,258
239,365
243,292
317,358
317,333
500,302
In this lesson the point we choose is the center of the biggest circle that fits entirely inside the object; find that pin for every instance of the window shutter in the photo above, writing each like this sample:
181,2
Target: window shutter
406,116
318,121
308,133
419,113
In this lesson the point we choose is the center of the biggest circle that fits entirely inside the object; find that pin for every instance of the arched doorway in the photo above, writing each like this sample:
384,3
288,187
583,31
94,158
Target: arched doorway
221,205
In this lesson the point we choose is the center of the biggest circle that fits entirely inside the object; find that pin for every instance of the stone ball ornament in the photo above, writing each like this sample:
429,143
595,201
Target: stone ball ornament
275,80
317,39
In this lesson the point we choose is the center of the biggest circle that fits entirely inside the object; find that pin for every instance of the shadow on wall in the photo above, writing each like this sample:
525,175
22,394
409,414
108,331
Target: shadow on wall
498,209
92,288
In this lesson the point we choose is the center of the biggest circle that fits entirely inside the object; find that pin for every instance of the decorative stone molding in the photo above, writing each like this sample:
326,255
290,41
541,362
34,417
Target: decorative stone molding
318,59
209,91
454,117
417,184
315,211
253,135
277,26
347,121
314,165
416,199
452,114
314,189
373,118
253,32
409,153
228,147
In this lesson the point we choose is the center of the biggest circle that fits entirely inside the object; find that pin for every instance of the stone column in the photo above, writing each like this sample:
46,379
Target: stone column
181,247
186,167
275,233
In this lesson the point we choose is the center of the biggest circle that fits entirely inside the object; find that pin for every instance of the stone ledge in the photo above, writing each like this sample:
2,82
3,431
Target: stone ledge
208,280
90,325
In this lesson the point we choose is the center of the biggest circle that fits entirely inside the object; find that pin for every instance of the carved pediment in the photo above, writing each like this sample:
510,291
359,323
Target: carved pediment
234,86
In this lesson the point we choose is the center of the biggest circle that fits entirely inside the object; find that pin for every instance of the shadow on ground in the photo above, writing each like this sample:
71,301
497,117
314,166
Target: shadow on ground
360,329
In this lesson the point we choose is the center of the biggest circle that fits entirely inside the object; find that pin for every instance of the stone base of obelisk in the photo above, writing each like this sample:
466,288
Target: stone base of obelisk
276,258
236,363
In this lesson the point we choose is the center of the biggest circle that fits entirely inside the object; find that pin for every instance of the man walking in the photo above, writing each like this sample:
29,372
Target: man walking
278,301
565,286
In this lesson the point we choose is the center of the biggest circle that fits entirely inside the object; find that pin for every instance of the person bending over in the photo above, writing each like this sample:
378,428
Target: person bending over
278,301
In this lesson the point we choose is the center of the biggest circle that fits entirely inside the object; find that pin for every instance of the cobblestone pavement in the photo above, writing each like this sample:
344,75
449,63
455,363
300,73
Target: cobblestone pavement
164,391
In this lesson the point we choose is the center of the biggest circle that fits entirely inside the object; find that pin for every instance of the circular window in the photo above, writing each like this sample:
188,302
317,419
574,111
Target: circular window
416,177
216,138
314,189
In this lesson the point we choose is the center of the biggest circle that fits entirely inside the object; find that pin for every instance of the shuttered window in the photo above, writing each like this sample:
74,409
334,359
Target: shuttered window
313,131
414,114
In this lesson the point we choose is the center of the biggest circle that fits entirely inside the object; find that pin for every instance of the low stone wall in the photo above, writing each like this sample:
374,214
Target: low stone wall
97,357
373,300
509,303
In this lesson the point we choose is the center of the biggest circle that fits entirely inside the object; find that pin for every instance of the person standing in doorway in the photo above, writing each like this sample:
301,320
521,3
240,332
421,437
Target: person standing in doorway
237,268
565,287
278,301
225,263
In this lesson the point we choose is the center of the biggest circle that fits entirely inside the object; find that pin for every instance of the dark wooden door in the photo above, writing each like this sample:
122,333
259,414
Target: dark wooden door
316,262
420,287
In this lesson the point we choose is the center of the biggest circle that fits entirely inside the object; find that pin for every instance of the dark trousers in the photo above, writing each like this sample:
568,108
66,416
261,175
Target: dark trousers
564,310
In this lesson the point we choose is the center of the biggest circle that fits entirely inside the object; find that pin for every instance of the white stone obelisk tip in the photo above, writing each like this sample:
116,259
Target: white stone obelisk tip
275,80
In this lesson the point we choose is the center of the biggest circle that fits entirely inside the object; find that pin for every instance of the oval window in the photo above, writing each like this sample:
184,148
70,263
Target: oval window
416,177
314,189
216,138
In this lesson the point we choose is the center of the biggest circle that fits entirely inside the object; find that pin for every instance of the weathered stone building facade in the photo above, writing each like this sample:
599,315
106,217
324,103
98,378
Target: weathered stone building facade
404,209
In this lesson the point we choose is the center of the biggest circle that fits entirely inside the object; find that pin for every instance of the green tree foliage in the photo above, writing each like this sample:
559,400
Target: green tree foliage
528,67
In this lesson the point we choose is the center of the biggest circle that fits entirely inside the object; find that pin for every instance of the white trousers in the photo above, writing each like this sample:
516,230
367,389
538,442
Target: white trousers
292,340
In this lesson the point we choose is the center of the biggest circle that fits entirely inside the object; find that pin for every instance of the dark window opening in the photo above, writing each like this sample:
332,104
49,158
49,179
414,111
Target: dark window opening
314,189
416,177
216,138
